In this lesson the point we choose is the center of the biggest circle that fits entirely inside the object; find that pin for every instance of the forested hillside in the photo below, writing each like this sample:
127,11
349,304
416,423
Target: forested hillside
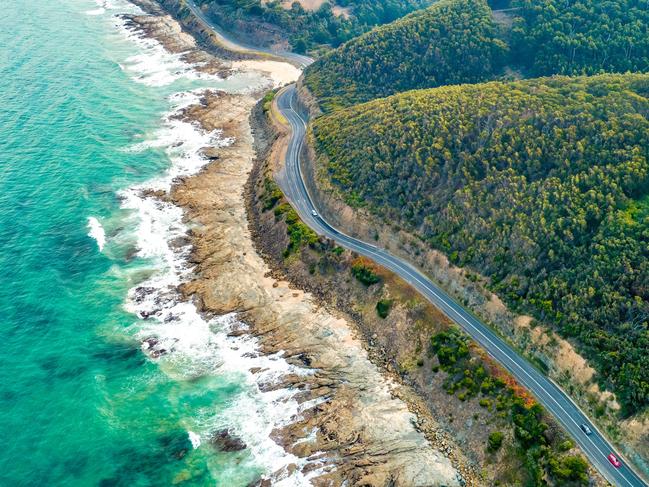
457,41
454,41
332,23
581,36
540,185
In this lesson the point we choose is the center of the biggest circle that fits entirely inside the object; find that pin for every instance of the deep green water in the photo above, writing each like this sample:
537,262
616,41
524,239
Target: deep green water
80,402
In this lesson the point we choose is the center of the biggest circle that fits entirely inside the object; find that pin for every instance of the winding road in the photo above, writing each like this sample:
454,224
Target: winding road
550,395
237,46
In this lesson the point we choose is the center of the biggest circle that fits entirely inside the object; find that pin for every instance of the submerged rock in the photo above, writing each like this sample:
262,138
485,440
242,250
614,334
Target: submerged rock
153,348
226,441
140,293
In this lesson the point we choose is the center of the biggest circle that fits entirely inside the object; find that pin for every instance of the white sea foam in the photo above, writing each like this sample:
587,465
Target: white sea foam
154,65
185,344
182,141
115,6
194,438
97,11
97,232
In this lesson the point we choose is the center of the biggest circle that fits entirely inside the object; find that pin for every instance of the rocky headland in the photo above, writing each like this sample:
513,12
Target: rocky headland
354,428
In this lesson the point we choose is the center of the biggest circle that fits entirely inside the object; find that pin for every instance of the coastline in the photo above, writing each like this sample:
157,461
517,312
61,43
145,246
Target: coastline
349,424
539,342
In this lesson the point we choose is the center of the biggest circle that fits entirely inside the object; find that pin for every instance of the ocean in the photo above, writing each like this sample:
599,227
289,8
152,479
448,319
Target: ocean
90,267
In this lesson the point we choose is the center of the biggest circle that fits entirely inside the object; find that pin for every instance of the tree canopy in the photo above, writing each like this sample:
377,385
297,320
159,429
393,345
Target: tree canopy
307,29
542,185
453,41
460,41
581,36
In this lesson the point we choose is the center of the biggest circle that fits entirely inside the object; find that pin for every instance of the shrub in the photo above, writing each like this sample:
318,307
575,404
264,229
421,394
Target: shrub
272,194
570,467
450,346
267,100
338,250
485,403
383,307
495,441
566,445
363,271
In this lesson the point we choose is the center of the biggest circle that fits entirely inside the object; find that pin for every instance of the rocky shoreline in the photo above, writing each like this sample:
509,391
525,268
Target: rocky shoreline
353,427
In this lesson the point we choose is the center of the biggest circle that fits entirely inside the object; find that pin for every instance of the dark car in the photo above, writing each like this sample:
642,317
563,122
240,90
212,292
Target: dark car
586,429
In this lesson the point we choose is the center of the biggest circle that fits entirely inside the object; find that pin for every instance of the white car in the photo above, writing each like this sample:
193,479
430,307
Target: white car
314,213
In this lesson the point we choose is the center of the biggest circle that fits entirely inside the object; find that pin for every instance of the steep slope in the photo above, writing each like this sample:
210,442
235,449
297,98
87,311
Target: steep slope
581,36
541,185
306,24
454,41
457,41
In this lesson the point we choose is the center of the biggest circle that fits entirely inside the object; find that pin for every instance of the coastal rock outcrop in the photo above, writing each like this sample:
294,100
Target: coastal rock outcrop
352,427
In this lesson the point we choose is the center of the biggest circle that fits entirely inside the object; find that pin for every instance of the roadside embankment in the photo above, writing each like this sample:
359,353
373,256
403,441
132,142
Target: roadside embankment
552,354
351,426
401,329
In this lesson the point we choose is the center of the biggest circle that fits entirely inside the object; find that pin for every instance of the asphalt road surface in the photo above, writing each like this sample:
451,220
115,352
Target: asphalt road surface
595,446
236,46
551,396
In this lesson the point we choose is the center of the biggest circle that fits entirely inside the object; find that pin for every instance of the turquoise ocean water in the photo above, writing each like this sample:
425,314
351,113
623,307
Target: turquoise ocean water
84,123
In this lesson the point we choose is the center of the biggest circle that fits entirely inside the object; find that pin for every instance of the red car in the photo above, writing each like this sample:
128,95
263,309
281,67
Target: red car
613,459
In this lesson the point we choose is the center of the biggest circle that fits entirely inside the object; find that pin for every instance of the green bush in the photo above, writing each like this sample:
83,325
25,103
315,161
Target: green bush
565,445
271,195
267,100
365,274
450,346
485,403
299,234
383,307
495,441
570,467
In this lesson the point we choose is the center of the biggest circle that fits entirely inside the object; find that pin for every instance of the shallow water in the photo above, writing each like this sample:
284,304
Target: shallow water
84,125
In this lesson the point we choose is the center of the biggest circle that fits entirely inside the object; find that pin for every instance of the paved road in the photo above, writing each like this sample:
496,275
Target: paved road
595,446
236,46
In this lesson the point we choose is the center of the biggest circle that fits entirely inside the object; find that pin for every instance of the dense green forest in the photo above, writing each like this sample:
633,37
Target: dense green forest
541,185
459,41
580,36
308,29
454,41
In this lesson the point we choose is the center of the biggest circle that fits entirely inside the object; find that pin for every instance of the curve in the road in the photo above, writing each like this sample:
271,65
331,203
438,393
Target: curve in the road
549,394
236,46
595,446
